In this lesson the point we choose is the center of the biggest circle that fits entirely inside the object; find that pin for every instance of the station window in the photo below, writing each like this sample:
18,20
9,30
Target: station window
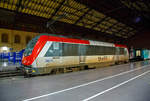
17,39
4,37
28,38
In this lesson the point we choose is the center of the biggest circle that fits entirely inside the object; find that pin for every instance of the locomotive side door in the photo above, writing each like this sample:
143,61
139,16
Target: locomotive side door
117,54
82,53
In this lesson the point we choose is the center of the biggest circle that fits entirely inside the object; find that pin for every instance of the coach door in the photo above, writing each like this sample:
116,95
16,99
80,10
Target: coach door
117,54
82,53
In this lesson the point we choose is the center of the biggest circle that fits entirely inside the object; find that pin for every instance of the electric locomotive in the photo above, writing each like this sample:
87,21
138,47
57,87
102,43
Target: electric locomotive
46,53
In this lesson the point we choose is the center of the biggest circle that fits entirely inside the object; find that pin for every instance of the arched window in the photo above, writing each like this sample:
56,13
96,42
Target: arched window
28,38
17,39
4,37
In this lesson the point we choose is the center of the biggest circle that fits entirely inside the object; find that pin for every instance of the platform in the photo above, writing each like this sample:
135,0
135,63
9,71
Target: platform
8,66
126,82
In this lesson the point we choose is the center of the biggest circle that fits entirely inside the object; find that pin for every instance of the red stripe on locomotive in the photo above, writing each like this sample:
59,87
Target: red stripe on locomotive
67,40
118,45
36,50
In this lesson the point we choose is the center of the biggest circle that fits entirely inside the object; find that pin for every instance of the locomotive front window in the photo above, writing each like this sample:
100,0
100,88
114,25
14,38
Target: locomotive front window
30,46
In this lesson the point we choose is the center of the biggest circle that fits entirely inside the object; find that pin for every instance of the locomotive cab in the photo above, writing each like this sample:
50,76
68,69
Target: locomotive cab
28,51
30,46
27,56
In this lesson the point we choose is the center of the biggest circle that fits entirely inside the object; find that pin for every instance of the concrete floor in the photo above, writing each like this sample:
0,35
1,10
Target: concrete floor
127,82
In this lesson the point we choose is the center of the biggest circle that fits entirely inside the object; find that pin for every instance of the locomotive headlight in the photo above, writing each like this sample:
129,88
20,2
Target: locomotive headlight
27,71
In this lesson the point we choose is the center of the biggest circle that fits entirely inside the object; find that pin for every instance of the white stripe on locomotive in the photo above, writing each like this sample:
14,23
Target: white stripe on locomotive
99,43
42,53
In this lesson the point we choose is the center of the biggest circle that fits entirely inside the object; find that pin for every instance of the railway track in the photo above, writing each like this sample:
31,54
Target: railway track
10,73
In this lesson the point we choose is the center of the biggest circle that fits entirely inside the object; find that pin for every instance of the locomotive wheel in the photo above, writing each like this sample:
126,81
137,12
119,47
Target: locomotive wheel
117,63
53,71
27,75
86,67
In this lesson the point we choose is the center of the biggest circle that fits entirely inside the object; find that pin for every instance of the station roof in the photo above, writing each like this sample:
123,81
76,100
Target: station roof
122,19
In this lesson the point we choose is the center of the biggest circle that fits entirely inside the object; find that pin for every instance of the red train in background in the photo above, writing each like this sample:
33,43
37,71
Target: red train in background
45,54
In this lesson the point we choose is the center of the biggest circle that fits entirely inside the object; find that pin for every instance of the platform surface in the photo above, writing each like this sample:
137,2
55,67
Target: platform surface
126,82
8,66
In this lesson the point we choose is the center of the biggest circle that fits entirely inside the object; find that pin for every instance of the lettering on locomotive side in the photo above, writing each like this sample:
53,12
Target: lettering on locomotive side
102,58
99,59
48,60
